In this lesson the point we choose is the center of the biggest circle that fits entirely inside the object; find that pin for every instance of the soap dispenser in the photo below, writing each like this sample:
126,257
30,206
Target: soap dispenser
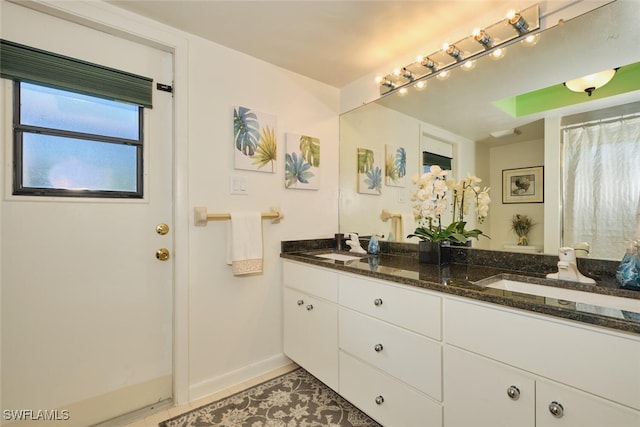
628,274
374,245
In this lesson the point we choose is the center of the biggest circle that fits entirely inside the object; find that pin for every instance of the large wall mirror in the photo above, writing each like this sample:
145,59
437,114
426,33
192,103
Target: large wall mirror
514,97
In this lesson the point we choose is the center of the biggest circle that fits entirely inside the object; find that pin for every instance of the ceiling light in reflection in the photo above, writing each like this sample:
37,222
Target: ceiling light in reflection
498,53
403,91
421,85
469,65
443,75
531,40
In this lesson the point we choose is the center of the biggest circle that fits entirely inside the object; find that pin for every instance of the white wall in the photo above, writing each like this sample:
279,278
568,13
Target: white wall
232,325
236,322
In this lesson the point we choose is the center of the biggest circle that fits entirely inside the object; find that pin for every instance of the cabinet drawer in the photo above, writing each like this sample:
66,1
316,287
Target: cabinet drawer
579,409
602,363
408,308
400,406
316,281
410,357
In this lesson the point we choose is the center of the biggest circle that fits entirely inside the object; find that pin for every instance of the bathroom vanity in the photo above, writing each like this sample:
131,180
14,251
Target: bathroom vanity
417,345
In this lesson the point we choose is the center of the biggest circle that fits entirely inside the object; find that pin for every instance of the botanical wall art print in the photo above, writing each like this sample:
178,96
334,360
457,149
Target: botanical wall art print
395,165
302,162
254,138
523,185
369,171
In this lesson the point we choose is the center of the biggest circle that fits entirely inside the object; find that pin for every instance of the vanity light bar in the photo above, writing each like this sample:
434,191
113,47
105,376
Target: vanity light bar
517,25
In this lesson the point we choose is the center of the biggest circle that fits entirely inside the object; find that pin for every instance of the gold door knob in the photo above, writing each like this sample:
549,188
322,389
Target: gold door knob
162,229
162,254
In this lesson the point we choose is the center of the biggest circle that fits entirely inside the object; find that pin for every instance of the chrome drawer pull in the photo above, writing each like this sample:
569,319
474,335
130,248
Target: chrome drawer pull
556,409
379,400
378,348
377,302
300,302
513,392
309,307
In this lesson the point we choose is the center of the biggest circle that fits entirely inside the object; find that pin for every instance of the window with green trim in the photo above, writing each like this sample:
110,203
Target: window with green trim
74,145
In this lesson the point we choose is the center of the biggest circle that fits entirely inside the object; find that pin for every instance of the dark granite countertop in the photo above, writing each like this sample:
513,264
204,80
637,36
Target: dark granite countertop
461,277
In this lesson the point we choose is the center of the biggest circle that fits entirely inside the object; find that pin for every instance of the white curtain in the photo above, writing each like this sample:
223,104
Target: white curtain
601,170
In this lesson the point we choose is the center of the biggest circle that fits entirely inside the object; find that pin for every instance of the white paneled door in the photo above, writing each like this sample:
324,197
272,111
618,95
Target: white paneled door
86,305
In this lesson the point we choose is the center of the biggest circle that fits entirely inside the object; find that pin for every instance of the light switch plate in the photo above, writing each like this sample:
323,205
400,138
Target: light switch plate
238,185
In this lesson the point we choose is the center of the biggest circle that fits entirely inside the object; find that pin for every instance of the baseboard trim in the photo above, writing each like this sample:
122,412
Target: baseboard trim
230,379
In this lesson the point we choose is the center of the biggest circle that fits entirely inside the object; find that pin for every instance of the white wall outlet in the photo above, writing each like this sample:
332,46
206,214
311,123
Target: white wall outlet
238,185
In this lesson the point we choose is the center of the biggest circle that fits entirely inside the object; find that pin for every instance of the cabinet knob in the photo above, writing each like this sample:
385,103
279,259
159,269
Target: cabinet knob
378,348
556,409
513,392
377,302
300,302
309,307
379,400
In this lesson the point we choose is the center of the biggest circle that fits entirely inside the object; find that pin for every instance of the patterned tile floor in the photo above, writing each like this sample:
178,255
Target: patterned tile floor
153,420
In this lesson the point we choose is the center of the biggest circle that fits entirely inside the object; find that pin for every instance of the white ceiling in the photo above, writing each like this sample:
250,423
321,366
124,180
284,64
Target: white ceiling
335,42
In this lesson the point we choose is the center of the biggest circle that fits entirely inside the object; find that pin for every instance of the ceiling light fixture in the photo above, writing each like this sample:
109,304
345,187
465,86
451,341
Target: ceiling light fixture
491,39
591,82
453,51
483,38
428,63
518,22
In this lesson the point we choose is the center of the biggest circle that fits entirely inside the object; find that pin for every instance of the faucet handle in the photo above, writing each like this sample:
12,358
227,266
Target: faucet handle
567,254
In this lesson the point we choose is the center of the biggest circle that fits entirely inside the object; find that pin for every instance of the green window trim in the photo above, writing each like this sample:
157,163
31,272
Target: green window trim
25,63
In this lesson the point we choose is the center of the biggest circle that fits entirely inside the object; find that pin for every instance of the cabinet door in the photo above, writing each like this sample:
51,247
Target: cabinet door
311,335
561,406
480,392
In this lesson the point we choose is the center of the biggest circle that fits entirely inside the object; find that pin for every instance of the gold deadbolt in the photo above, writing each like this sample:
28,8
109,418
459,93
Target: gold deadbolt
162,229
162,254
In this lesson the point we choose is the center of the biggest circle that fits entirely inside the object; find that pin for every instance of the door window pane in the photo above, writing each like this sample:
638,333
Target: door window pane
60,109
75,164
68,144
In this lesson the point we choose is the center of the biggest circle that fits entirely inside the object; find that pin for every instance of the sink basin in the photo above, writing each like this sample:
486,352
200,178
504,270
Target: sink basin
579,297
341,257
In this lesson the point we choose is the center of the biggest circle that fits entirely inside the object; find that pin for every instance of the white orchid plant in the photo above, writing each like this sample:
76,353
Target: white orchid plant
432,201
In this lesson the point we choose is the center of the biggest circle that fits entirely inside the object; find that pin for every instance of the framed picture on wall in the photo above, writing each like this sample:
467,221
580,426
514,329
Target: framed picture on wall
523,185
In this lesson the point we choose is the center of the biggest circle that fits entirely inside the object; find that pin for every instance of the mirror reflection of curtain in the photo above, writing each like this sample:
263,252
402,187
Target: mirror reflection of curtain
601,173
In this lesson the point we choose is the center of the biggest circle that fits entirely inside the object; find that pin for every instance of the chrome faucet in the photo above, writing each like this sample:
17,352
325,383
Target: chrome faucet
568,268
354,243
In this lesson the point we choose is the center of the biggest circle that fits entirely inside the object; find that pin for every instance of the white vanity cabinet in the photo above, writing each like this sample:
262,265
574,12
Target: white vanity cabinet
390,351
413,357
311,320
503,367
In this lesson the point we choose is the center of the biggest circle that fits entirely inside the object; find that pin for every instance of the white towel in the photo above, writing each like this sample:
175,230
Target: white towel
244,248
408,226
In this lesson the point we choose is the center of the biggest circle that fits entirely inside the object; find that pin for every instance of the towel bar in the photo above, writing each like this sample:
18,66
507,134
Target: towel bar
201,217
385,215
